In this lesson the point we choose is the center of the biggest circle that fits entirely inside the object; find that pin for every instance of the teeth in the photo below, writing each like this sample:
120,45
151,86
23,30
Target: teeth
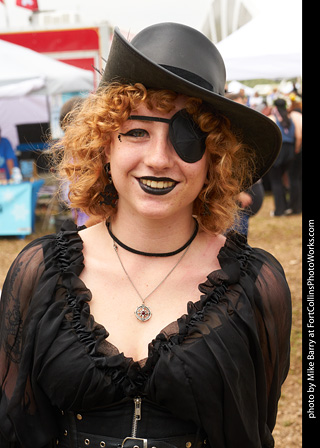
155,184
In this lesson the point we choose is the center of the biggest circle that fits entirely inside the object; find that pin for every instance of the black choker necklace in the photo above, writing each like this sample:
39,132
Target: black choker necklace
150,254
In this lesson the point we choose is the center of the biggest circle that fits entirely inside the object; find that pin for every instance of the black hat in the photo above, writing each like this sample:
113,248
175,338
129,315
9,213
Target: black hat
179,58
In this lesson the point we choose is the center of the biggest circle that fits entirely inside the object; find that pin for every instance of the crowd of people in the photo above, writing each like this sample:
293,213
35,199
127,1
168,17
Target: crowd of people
284,179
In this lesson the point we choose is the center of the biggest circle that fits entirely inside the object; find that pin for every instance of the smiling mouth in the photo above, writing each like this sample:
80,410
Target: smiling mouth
157,186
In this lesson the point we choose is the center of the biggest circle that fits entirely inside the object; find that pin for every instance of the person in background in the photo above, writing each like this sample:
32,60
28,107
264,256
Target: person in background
8,158
279,172
255,101
155,327
295,169
295,103
251,200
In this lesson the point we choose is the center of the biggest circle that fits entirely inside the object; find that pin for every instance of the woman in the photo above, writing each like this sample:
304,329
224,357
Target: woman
106,340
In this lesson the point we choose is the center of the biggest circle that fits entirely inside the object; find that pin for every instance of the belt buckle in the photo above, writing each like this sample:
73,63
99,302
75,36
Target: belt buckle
144,442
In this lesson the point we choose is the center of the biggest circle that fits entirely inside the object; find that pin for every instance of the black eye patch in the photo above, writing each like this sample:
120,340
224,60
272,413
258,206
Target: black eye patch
185,135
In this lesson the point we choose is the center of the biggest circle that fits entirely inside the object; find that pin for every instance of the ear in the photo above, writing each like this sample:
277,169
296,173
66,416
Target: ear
107,151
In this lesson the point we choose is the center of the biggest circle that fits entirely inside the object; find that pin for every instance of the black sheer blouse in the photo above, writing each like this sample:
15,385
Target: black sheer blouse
221,369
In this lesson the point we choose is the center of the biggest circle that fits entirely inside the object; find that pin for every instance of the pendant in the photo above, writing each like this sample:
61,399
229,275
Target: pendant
143,313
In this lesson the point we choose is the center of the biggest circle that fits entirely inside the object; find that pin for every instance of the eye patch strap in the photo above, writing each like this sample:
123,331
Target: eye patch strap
147,118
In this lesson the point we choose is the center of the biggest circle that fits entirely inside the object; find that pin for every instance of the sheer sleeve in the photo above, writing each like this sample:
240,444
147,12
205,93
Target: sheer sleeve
245,323
22,305
273,316
264,283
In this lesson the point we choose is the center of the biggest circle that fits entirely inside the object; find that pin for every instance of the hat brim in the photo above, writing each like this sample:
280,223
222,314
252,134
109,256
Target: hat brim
261,134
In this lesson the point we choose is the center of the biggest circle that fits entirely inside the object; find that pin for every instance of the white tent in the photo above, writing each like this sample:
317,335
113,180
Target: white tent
25,71
31,87
269,46
236,86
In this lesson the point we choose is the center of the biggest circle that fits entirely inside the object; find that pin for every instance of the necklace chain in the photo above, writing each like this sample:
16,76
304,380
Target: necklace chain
143,313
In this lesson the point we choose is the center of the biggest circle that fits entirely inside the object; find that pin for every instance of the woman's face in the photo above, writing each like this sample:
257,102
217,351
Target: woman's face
150,177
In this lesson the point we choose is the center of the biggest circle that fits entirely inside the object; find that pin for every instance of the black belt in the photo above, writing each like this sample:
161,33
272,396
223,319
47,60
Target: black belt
93,441
109,428
86,440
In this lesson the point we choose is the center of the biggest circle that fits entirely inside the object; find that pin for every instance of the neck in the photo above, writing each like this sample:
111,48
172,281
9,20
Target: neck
154,235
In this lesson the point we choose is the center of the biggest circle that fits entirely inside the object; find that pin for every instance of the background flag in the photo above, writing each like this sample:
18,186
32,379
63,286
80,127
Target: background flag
30,4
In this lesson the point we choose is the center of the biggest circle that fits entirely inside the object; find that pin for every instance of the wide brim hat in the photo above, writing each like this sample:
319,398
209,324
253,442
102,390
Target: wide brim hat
177,57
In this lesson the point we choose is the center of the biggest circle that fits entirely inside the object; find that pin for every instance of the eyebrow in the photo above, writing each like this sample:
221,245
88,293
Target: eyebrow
147,118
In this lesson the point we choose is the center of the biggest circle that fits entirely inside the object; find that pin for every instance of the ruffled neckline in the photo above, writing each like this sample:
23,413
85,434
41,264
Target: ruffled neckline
132,375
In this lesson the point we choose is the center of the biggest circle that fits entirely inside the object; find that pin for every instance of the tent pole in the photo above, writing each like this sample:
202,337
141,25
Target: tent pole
6,14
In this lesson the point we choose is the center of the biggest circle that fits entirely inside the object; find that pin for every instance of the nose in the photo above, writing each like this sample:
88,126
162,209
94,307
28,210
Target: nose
161,153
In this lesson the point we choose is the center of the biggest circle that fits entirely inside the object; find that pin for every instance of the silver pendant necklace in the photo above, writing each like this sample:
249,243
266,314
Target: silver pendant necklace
143,312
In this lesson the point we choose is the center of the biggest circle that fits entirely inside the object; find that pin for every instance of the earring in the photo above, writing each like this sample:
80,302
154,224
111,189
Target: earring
110,194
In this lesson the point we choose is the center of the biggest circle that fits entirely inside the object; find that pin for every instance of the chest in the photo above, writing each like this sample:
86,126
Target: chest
117,296
121,281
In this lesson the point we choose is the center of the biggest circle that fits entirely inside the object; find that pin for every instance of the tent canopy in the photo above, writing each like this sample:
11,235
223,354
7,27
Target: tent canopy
25,71
269,46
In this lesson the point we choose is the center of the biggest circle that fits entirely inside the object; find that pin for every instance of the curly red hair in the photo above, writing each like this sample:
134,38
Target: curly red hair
82,160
